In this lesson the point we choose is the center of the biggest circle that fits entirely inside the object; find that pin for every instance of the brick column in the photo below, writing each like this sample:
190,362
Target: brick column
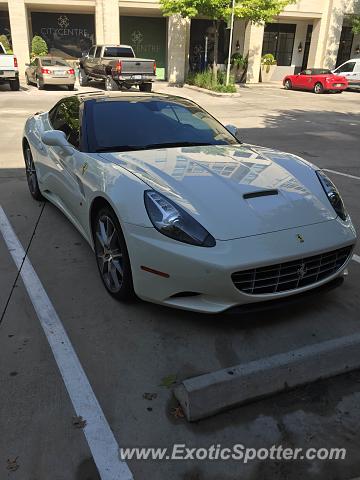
178,48
19,32
107,21
253,43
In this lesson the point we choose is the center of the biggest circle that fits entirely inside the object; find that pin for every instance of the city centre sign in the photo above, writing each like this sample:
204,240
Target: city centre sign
66,34
63,29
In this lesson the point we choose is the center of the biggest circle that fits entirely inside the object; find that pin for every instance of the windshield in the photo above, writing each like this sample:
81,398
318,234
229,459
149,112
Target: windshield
142,124
53,62
118,52
317,71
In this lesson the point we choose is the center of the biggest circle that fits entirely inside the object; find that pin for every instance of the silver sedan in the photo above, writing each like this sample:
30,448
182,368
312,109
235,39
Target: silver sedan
50,71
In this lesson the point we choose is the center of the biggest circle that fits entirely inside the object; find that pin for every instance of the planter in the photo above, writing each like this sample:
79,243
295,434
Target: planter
266,72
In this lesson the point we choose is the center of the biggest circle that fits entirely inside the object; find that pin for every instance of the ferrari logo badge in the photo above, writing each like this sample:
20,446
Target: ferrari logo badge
300,238
84,168
301,272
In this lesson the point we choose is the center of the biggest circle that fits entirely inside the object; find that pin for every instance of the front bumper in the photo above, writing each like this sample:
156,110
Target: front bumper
207,271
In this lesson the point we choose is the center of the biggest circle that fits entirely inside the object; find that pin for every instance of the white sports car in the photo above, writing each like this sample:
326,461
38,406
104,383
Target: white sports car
177,210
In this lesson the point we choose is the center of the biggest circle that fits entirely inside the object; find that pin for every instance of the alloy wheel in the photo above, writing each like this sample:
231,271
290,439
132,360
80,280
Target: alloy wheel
108,84
109,254
30,172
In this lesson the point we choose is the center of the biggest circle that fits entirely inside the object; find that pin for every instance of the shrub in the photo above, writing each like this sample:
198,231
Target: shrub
39,47
207,80
268,60
238,61
6,43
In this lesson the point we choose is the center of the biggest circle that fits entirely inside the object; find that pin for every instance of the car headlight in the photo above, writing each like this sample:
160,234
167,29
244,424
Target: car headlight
332,194
172,221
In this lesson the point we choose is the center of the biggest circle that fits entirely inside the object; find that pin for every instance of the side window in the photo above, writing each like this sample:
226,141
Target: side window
98,52
65,117
92,51
346,68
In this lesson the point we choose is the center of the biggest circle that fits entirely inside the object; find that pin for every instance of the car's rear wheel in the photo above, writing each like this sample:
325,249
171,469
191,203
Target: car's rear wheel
71,87
318,88
83,78
31,174
15,85
110,84
145,87
288,85
112,255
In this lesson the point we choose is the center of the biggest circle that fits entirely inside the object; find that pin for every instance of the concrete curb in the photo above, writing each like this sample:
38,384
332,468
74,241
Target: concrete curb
211,92
208,394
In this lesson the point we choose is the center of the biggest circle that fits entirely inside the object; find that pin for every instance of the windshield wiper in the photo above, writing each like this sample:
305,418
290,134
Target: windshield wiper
150,146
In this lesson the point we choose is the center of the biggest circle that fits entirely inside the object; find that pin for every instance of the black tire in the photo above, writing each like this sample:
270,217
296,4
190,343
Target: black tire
318,88
110,84
145,87
71,87
83,78
112,256
15,85
39,84
31,175
288,85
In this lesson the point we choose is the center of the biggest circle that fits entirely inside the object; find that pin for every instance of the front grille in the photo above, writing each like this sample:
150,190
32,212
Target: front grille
290,275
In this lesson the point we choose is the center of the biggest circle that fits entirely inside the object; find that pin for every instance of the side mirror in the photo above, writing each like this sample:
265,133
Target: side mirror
232,129
57,138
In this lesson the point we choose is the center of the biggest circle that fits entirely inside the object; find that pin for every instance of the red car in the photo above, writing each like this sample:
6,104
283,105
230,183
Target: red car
318,80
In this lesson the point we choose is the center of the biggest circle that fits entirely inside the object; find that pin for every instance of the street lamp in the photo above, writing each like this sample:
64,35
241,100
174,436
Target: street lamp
230,42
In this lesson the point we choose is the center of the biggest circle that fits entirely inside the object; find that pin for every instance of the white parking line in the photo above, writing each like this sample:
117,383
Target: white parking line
341,173
102,443
356,258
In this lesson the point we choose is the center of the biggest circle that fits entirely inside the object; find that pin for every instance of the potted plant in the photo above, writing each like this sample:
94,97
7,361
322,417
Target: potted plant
239,64
268,65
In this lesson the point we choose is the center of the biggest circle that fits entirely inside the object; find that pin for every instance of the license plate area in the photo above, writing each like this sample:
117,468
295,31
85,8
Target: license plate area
137,77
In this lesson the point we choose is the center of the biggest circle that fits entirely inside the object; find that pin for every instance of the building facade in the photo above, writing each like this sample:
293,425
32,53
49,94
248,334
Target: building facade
310,33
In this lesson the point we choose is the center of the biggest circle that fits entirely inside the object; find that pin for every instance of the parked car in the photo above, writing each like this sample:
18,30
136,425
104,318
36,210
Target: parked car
318,80
179,212
117,66
351,71
43,71
9,72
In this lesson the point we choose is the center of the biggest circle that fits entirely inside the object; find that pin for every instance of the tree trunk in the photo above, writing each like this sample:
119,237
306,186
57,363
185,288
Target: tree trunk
216,48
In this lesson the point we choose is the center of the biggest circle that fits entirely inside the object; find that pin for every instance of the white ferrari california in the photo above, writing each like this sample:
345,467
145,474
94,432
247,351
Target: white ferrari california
177,210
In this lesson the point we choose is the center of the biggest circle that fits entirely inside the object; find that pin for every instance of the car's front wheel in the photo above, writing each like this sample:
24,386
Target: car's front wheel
287,85
318,88
39,84
31,176
110,84
83,78
112,255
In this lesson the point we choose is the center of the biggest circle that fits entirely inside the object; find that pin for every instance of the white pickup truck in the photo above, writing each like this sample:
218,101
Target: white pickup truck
9,72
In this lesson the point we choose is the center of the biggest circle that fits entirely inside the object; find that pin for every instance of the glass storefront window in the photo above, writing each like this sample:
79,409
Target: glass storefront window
279,41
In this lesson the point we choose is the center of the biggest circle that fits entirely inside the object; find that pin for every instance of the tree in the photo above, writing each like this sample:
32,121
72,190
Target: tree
39,47
256,11
356,24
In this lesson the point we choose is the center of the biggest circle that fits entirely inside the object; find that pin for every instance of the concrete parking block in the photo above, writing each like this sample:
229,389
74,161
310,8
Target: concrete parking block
208,394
